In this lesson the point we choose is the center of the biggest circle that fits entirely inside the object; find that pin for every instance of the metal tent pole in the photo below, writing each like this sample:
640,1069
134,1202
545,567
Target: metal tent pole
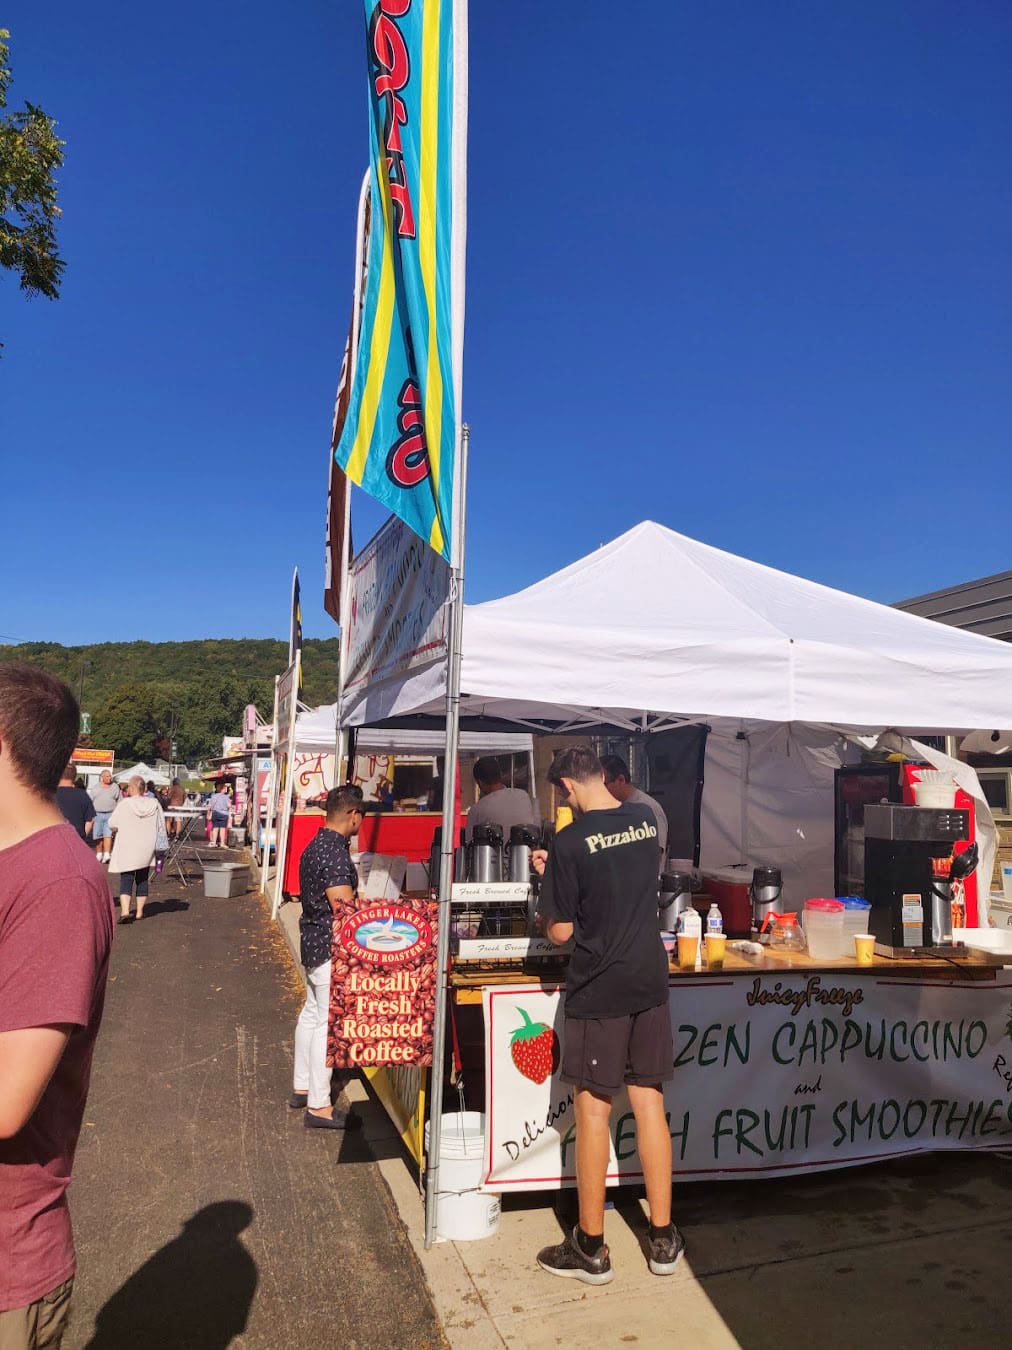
341,733
446,857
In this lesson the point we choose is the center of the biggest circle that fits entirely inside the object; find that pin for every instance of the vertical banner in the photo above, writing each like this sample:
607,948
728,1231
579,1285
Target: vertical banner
397,610
295,633
400,437
284,759
267,841
339,545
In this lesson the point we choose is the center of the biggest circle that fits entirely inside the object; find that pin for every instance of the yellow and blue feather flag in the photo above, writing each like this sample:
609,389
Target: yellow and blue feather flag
401,433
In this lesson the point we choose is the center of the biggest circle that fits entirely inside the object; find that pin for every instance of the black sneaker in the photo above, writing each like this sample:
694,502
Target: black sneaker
567,1259
665,1251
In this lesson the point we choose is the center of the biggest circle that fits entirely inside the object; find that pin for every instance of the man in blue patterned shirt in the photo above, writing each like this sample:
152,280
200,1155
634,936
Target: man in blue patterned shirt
327,876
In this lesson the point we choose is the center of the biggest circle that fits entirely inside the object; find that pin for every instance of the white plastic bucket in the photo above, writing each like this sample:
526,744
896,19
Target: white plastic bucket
463,1213
940,795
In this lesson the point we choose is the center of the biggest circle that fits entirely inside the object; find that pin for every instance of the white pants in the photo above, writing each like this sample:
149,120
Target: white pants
311,1072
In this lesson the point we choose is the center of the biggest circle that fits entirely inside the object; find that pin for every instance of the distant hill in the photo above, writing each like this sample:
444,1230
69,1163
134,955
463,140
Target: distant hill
142,695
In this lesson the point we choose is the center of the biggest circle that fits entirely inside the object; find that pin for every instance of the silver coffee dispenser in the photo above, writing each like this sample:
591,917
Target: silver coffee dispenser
486,853
460,859
675,895
765,891
523,838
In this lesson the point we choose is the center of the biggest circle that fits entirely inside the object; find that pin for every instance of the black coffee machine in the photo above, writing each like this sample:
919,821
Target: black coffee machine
899,844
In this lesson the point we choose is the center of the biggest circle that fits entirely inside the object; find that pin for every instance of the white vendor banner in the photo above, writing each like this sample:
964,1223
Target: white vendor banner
772,1073
397,612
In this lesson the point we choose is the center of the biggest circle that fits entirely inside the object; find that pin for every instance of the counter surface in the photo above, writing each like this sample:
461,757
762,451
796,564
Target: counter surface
468,980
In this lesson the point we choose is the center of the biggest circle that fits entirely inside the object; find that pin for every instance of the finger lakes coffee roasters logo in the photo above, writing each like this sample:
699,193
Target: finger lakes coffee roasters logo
385,935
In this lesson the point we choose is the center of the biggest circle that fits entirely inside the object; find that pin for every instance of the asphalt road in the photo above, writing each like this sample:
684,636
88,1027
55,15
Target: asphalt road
205,1214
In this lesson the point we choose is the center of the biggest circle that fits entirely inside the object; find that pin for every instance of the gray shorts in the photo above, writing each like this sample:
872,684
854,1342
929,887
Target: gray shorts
39,1324
603,1054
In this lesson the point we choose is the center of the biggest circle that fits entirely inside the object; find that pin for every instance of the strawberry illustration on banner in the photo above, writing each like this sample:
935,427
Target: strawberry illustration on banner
535,1049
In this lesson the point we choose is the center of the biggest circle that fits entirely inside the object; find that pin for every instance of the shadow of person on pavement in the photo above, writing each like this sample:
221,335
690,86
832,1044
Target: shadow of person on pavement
166,906
195,1292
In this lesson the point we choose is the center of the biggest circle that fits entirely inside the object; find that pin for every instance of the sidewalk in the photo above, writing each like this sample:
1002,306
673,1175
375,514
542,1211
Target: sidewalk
205,1214
913,1253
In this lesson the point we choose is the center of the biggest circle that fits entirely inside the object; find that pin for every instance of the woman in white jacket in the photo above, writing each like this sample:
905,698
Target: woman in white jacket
136,821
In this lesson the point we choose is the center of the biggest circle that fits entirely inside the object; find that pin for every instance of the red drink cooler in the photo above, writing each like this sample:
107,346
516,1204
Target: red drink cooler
729,887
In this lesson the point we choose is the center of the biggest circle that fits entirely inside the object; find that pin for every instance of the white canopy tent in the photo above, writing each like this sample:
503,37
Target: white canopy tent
144,771
316,731
656,630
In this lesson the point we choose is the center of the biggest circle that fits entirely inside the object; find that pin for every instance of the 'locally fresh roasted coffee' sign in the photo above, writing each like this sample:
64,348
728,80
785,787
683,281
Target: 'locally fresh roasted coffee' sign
382,982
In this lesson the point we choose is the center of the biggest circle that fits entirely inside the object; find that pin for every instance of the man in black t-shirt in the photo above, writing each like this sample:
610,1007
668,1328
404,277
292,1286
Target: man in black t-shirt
600,889
76,805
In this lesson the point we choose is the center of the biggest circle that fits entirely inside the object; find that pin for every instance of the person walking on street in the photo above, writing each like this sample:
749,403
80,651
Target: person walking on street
327,877
175,800
600,888
55,938
104,797
136,823
77,807
219,810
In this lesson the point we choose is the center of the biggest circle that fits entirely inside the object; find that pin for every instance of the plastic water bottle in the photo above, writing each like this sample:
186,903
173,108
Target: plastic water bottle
714,920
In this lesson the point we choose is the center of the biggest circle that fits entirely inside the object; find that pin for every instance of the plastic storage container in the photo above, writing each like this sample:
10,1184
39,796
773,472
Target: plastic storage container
824,930
856,913
222,880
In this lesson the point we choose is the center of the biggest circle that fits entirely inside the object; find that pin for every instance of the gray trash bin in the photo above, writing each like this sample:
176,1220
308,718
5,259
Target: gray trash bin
222,880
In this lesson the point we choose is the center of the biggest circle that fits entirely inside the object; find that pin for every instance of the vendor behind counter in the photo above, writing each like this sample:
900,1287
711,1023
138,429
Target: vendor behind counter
498,804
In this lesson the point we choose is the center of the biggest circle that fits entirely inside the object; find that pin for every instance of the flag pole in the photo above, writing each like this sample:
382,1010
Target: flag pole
446,857
340,731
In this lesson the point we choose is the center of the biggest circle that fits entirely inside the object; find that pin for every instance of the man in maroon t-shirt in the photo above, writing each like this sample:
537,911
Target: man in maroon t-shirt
55,936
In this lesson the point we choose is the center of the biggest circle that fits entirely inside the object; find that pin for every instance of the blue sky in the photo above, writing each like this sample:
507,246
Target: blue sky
739,268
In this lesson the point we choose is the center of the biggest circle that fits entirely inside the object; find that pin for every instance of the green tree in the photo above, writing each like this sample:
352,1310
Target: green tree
30,154
127,722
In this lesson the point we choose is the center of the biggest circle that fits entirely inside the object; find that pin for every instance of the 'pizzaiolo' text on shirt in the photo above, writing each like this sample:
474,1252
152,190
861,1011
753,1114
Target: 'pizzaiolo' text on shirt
602,878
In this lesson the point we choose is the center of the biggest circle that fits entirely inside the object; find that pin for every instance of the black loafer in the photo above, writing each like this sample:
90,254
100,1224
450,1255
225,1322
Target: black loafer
297,1101
340,1120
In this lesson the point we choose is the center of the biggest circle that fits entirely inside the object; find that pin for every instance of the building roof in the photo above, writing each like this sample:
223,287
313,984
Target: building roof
983,606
